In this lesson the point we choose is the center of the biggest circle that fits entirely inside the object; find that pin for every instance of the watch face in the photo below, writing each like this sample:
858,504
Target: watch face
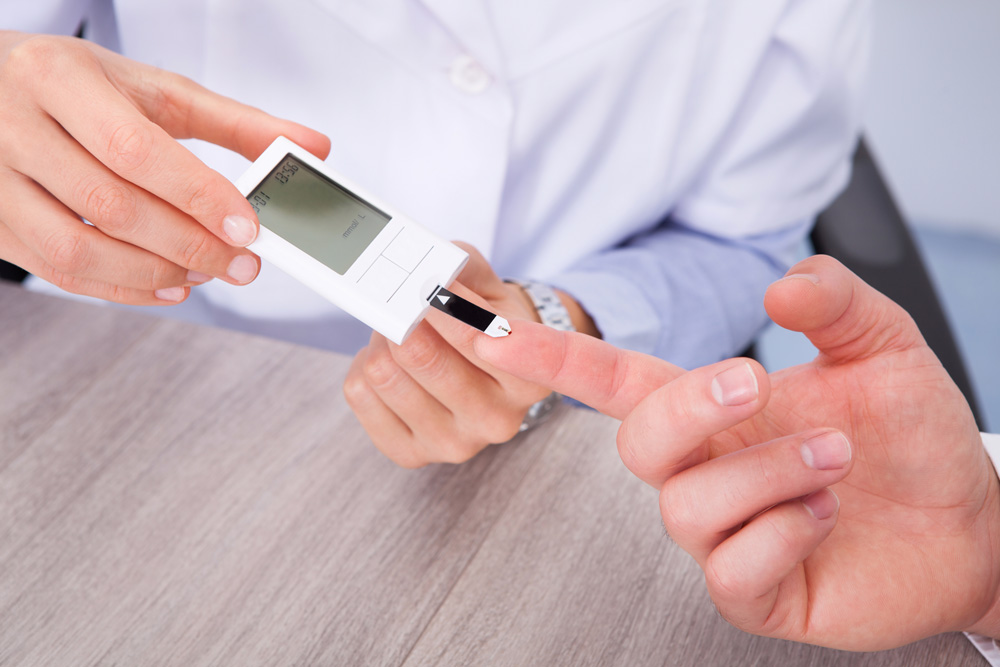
315,214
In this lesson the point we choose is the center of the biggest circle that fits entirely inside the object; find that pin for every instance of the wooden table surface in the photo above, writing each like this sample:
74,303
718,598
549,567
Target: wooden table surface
179,495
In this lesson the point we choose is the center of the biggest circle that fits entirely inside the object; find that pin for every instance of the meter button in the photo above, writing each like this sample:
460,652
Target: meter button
382,280
407,249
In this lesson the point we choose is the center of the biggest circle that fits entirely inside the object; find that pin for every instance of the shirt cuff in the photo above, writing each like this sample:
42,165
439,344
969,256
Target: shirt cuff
621,312
991,442
987,646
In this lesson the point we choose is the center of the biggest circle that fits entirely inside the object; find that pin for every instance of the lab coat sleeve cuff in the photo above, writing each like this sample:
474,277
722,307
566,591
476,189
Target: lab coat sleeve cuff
622,313
985,645
991,442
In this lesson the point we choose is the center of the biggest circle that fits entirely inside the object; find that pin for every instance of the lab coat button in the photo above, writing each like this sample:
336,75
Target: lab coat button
469,76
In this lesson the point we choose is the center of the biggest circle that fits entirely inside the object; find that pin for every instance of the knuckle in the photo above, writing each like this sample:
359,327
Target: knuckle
421,354
356,391
197,250
633,454
24,61
66,251
735,494
780,532
118,294
455,450
382,371
63,281
680,515
158,275
781,622
759,474
724,580
164,99
201,197
36,60
626,450
500,426
171,100
128,145
112,206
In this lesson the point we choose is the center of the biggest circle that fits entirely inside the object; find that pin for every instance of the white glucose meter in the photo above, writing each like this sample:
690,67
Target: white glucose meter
354,250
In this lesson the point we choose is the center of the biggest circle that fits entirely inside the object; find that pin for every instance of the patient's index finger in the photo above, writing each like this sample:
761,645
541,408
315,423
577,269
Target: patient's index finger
593,372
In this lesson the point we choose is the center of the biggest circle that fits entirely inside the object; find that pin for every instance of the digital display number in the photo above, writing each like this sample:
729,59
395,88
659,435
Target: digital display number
282,176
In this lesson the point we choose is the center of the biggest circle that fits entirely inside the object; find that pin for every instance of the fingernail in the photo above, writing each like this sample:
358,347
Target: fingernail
811,277
827,451
197,277
174,294
823,504
735,386
242,269
240,230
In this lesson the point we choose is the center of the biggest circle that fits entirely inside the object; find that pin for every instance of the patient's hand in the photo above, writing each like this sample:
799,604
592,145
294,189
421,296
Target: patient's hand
846,502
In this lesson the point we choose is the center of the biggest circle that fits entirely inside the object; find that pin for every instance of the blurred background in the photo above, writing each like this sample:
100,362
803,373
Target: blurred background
933,124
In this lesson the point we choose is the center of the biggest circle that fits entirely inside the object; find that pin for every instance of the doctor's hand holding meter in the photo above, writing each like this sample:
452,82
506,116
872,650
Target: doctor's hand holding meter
88,133
652,166
433,399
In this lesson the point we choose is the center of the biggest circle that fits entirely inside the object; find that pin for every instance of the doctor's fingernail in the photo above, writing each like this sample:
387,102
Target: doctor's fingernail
735,386
241,231
173,294
197,277
242,269
826,451
823,504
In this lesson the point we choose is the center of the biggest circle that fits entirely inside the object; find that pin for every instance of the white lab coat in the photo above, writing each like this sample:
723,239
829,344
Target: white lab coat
542,132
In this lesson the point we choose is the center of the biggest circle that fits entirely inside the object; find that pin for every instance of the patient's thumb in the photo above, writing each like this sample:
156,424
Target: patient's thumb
842,315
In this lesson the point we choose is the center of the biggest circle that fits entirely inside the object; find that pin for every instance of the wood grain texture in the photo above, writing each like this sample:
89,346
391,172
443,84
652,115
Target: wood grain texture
177,495
50,349
579,571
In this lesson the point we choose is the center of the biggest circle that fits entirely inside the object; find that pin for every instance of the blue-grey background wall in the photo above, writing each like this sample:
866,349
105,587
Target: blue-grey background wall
933,122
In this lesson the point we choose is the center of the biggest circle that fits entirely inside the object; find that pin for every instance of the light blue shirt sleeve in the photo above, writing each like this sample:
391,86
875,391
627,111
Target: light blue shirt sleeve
683,295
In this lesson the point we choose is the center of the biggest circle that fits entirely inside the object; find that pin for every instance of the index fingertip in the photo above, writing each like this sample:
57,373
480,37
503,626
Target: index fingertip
596,373
520,353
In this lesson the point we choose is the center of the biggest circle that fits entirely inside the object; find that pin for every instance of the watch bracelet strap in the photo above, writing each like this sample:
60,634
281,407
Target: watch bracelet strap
547,303
552,313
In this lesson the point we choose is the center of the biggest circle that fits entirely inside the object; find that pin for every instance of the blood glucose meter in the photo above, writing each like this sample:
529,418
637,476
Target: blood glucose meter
356,251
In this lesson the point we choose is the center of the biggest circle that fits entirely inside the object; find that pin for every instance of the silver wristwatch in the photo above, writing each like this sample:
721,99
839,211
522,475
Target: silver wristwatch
552,313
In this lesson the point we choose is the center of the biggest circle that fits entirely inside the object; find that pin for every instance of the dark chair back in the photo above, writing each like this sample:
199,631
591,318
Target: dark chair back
865,230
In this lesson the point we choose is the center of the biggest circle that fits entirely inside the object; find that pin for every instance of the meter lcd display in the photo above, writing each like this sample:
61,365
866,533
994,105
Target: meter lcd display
315,214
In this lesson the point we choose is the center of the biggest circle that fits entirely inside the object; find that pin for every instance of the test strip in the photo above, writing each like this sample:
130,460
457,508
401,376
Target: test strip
465,311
